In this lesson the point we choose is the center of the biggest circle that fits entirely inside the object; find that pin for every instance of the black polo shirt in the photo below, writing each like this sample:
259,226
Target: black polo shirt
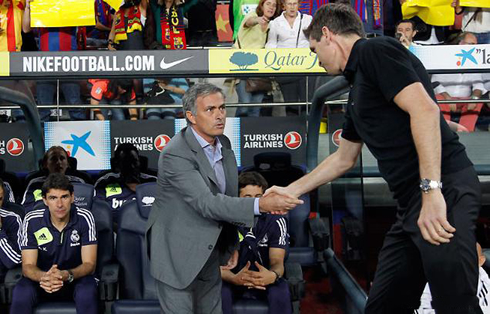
378,69
54,247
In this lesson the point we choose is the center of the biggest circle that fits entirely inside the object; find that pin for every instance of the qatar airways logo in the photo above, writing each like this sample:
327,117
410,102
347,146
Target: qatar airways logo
291,140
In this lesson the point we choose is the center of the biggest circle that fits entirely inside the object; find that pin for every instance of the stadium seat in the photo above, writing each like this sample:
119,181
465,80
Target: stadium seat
136,286
106,272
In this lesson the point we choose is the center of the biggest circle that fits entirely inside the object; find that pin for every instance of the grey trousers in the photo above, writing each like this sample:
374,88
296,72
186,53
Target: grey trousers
202,296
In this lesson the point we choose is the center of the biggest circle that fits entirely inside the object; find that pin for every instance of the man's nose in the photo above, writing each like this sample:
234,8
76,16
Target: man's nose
220,114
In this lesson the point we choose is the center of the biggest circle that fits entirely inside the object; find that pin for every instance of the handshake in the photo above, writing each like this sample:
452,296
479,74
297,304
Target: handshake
278,200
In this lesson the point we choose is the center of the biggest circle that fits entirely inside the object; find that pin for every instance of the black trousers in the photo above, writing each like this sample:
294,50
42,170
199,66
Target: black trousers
407,261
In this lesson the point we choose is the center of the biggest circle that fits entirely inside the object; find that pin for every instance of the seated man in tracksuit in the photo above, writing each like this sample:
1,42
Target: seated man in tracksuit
118,187
261,256
10,224
55,160
59,252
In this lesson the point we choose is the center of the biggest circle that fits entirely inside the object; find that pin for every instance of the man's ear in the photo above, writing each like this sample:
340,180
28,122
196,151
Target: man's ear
326,32
190,117
44,201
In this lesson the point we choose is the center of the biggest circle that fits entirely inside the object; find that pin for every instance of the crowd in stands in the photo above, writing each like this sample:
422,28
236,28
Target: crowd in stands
177,24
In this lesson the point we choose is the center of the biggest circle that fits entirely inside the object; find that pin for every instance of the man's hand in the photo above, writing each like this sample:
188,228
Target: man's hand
259,279
404,40
52,280
238,277
232,262
278,204
432,221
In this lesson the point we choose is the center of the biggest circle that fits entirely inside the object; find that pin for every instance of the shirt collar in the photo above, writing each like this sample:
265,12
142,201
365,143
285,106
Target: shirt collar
353,61
73,217
205,143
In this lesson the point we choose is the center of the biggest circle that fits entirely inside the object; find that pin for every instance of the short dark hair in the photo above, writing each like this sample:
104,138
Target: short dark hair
125,147
252,178
414,25
2,186
56,181
339,18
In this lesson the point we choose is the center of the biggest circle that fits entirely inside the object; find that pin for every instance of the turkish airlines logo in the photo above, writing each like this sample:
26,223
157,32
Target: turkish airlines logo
293,140
160,141
336,137
15,147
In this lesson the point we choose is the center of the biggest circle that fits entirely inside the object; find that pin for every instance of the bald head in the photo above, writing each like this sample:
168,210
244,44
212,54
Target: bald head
469,39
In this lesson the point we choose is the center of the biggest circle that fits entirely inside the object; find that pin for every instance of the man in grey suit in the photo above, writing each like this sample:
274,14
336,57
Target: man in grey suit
192,227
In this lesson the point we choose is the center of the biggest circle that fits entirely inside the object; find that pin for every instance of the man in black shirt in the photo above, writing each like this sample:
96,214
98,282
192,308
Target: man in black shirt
392,110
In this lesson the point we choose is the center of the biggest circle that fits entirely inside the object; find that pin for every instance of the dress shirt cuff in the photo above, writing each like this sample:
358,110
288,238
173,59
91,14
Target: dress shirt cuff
439,89
256,207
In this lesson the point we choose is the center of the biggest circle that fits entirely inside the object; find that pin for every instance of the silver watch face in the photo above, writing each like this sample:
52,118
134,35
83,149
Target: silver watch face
426,185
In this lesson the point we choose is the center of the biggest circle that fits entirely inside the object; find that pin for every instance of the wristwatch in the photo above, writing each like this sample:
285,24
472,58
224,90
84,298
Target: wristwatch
70,276
426,185
277,276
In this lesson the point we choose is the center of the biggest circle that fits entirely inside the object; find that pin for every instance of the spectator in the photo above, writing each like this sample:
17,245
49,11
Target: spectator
166,91
253,35
127,28
119,186
11,13
115,92
6,193
97,35
482,293
9,237
238,10
261,256
286,31
59,252
165,25
55,160
202,29
56,39
475,20
461,86
405,32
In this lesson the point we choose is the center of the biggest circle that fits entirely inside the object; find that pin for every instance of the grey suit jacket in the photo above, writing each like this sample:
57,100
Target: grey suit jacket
188,214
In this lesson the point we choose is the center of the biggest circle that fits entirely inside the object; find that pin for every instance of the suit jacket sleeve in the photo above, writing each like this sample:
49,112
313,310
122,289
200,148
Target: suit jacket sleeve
184,176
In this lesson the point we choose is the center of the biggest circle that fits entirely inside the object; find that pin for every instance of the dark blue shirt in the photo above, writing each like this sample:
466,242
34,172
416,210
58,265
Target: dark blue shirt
270,231
114,192
9,241
54,247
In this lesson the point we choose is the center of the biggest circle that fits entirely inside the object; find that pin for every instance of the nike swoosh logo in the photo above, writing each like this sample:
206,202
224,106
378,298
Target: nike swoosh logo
165,65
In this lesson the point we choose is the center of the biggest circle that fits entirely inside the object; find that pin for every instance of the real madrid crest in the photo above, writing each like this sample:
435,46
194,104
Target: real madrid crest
75,237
